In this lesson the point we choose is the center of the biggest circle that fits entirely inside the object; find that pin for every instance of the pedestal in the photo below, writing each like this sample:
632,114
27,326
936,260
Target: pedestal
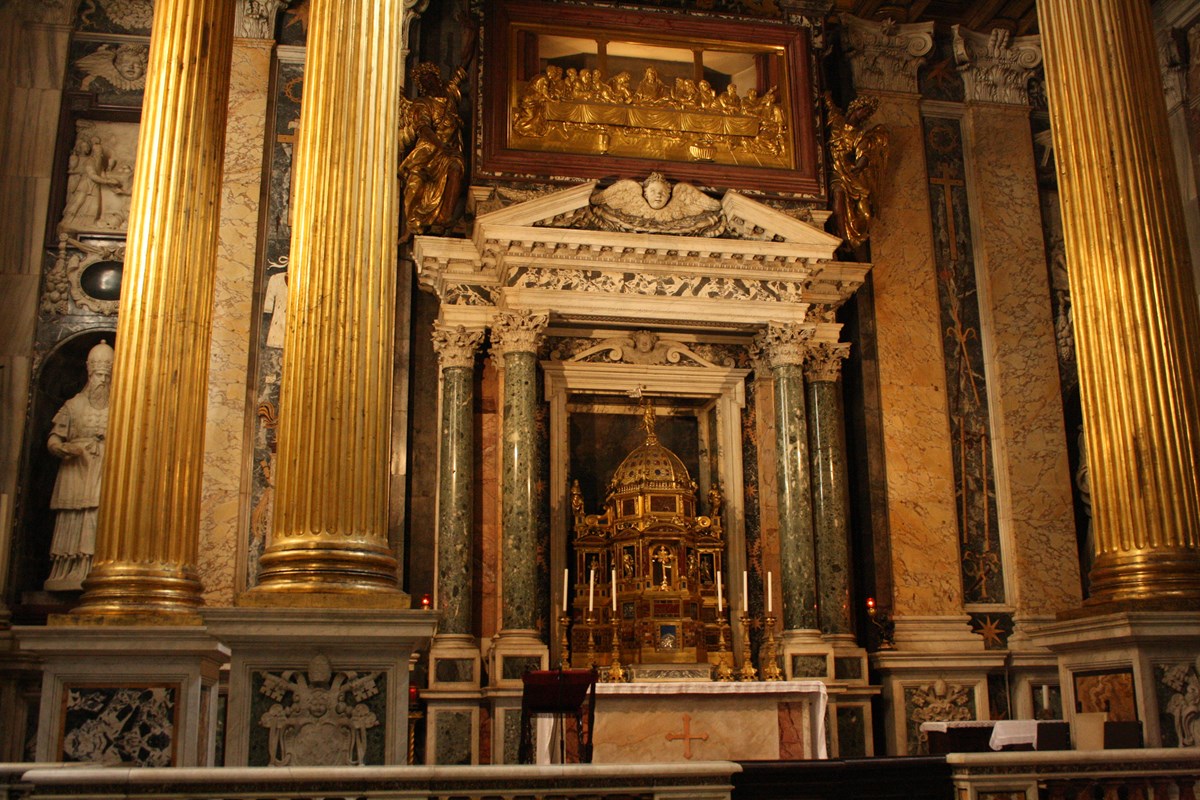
513,654
319,686
806,655
452,700
116,694
1139,666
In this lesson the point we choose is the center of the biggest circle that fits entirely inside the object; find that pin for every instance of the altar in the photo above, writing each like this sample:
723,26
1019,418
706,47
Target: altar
698,721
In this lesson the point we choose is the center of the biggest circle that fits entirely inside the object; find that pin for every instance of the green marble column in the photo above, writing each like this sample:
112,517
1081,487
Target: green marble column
831,504
456,347
784,347
515,337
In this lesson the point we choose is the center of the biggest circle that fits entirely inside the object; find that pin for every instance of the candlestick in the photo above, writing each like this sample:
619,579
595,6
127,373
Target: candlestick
616,672
564,657
591,642
591,590
723,669
720,597
747,672
770,603
770,666
565,591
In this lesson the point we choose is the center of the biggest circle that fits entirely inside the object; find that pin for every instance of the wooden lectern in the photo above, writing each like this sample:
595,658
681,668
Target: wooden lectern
565,693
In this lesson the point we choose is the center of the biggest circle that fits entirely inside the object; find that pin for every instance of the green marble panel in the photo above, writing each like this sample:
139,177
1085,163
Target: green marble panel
847,668
852,732
452,732
454,670
808,666
513,667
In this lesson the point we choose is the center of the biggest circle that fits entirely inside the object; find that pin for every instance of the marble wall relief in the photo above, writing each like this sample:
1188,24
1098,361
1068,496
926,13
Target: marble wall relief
85,277
115,16
317,717
1178,687
99,178
120,725
966,381
935,702
114,72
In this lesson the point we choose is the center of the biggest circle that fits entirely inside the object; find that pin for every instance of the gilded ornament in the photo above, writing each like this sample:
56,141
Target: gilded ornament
858,157
432,171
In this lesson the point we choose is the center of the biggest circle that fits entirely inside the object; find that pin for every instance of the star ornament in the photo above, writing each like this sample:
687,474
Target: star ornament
992,631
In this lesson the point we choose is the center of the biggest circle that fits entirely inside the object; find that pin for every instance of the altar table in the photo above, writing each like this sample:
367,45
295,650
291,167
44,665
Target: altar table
709,721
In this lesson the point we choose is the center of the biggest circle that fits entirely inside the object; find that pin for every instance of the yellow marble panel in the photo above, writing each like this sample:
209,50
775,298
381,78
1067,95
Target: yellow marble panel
222,517
1033,478
912,382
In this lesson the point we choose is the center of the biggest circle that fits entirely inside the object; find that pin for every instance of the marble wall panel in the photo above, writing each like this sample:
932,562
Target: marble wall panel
38,53
229,357
912,381
1034,479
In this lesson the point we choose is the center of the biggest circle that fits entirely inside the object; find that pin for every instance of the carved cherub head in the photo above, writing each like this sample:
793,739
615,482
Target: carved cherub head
656,190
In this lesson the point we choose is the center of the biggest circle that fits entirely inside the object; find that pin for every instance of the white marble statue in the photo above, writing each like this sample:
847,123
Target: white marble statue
77,437
654,206
99,183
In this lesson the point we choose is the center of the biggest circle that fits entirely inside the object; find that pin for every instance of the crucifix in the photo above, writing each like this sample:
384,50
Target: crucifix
686,737
666,559
948,182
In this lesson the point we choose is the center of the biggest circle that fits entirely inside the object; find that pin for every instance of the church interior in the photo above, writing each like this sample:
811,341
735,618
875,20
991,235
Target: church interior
785,380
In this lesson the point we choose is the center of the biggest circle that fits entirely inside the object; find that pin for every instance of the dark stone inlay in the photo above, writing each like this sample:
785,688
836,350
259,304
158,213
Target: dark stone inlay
513,667
453,738
454,670
847,668
808,666
852,732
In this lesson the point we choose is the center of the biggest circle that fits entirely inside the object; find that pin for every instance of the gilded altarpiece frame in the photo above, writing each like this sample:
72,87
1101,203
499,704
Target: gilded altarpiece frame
568,90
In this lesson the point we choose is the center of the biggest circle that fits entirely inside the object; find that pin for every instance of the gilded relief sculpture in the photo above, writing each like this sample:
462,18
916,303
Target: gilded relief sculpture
858,157
432,172
582,111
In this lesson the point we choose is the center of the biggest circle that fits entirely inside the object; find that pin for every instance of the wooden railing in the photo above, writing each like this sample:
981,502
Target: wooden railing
1168,774
702,781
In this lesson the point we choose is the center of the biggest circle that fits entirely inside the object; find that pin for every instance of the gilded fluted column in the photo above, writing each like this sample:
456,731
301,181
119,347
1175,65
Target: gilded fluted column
1135,308
784,347
830,496
146,544
456,348
330,531
515,337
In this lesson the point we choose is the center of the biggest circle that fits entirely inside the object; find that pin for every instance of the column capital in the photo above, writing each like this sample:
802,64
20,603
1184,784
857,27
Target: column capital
884,56
255,19
824,362
518,331
996,67
455,345
785,344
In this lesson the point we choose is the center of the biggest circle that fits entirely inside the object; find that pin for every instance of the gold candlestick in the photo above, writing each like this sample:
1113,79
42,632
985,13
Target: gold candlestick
771,670
723,670
564,656
591,651
616,672
747,672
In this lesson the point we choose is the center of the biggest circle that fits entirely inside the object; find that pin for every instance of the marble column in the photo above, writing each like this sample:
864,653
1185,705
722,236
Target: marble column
1033,477
237,261
329,533
785,348
515,336
830,498
147,540
456,348
1135,305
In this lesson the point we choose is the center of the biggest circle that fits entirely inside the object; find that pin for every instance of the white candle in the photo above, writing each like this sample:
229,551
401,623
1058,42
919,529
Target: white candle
565,591
720,596
745,593
614,590
591,590
770,605
1045,696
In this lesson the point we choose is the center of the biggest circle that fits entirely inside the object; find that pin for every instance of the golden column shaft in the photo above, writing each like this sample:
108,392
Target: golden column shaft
1135,309
146,546
330,530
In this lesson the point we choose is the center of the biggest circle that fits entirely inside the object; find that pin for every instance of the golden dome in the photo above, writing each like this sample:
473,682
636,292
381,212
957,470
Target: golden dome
651,466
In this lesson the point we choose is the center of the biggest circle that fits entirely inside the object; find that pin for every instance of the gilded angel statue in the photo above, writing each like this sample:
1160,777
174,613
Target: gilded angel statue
431,174
858,156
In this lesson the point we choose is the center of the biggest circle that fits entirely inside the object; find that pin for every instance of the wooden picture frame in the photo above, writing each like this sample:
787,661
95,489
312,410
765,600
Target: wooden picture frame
735,103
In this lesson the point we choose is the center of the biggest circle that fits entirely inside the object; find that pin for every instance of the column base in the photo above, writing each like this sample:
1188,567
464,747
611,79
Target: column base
138,594
452,700
338,676
806,655
1136,667
296,596
160,681
513,653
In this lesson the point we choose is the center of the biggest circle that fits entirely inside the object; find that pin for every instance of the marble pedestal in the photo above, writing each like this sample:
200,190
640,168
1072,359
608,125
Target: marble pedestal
806,655
666,722
20,680
452,701
117,693
323,677
513,653
1142,665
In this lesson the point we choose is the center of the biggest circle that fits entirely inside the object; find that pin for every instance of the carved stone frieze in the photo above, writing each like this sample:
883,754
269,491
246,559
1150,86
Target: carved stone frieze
884,56
783,345
995,67
642,347
575,280
319,718
455,345
256,18
518,331
824,362
936,702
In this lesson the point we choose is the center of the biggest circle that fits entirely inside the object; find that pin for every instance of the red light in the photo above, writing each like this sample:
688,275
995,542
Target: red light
426,602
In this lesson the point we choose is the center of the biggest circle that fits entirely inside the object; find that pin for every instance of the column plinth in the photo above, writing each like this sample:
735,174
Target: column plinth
329,538
1135,308
148,527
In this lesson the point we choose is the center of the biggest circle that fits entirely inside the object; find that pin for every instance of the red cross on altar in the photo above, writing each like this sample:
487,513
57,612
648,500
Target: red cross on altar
686,736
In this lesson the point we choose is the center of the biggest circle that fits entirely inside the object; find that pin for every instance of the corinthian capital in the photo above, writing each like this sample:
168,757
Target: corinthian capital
455,345
824,362
996,67
518,331
884,56
782,345
256,18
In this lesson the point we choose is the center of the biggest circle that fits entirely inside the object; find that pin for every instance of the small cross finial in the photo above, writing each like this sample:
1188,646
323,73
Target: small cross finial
648,421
